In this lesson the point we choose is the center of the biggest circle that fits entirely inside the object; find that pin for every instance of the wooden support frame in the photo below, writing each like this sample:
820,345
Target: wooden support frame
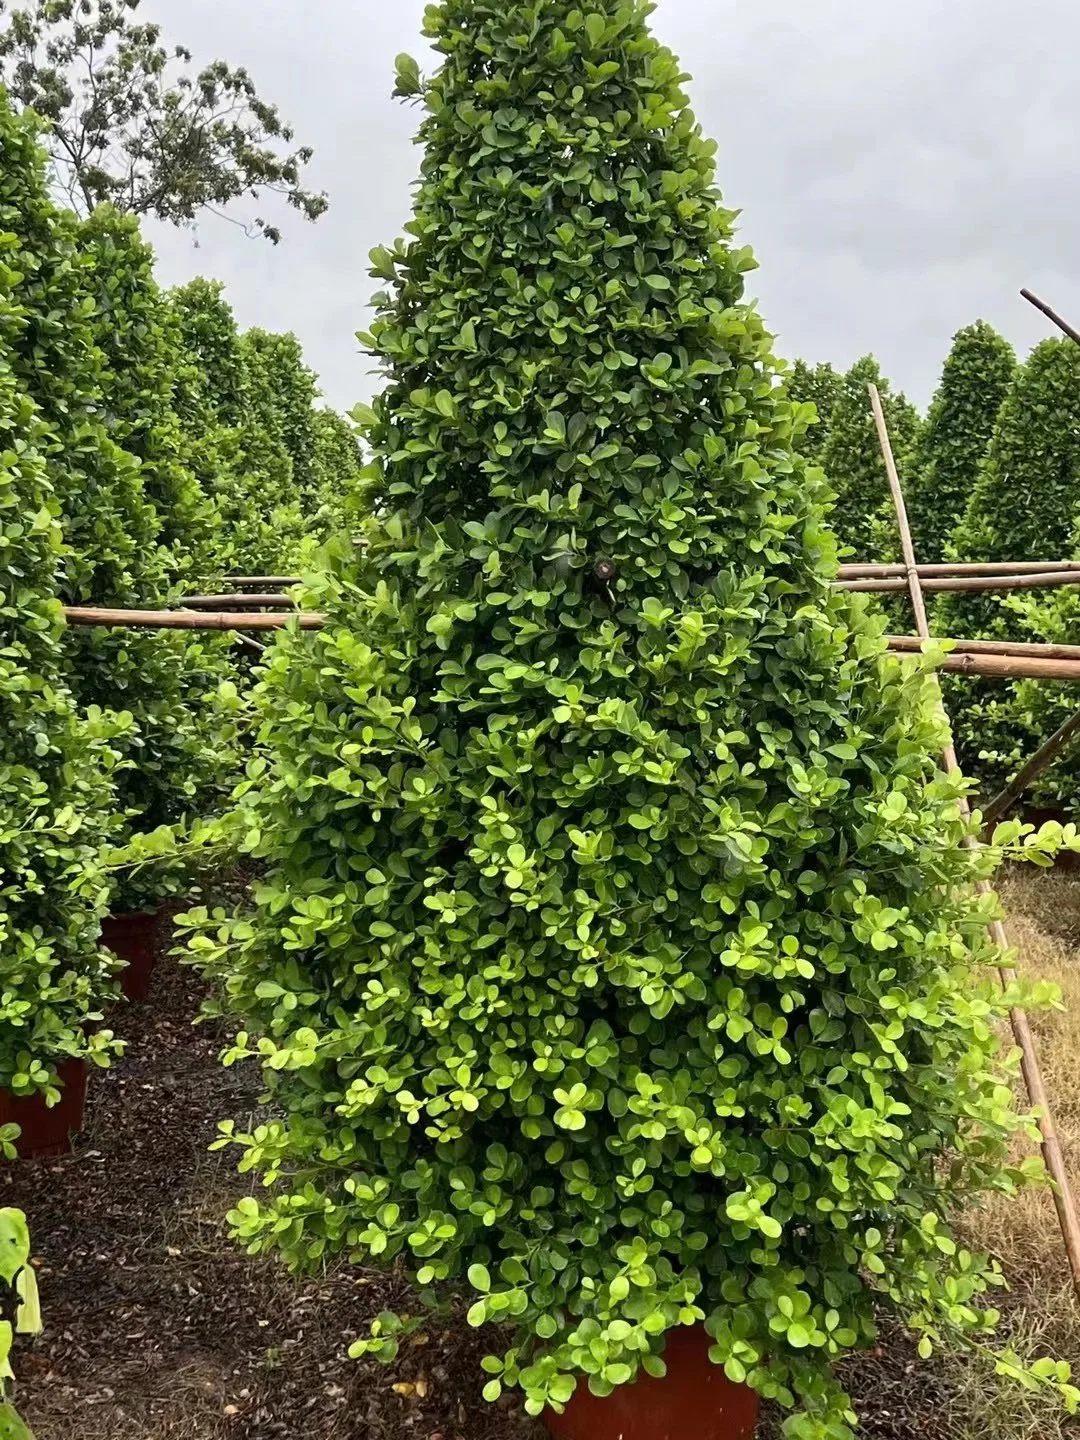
189,619
1021,1028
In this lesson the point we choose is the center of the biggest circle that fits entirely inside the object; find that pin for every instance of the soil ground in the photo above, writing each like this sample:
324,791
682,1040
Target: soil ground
159,1328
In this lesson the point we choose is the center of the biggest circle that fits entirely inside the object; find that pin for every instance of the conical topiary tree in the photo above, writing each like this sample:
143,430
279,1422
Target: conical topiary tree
953,442
1024,507
95,357
615,959
338,467
55,768
862,515
817,385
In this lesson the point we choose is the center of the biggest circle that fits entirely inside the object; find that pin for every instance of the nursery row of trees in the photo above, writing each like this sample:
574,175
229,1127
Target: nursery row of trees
991,473
145,445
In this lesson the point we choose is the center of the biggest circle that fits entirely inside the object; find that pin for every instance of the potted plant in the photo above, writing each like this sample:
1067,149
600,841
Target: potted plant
56,767
615,960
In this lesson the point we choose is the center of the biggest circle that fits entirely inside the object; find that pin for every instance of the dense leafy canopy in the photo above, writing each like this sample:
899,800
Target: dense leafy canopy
131,126
978,372
1024,507
851,457
817,385
277,472
615,957
55,767
131,509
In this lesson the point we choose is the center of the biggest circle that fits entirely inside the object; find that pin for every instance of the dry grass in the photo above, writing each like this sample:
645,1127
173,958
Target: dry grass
1043,1316
1044,925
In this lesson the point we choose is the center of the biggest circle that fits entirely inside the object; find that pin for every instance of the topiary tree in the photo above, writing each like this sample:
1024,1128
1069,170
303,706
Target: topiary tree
140,346
978,372
282,392
55,767
249,412
1023,507
615,959
851,457
817,385
337,502
96,357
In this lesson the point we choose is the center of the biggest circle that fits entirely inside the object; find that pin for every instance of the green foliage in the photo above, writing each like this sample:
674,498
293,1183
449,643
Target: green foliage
133,127
140,349
978,372
817,385
337,502
20,1309
616,961
261,462
281,394
96,355
1023,507
55,768
863,514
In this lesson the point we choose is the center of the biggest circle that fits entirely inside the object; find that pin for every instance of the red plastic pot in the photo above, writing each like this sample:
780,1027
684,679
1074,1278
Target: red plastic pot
694,1401
45,1131
134,939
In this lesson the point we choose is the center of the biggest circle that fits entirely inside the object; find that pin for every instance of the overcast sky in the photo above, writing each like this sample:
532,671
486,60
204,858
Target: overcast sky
903,166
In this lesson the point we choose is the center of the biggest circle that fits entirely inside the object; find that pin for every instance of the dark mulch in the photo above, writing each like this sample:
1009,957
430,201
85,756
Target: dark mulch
158,1328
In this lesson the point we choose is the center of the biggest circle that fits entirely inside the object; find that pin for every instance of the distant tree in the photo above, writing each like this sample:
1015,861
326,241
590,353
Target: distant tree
818,385
133,124
974,382
853,462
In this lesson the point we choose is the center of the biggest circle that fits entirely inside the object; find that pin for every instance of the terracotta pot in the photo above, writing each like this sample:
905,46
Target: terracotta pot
694,1401
134,939
47,1131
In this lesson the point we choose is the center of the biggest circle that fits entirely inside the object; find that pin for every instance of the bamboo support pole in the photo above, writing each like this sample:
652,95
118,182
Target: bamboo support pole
1033,1078
1010,667
189,620
989,567
991,647
1050,314
238,602
1042,580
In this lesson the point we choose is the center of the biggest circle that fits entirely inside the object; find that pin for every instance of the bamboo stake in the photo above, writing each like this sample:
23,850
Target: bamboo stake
989,567
1051,314
1043,580
189,620
1009,667
237,602
991,647
1033,1078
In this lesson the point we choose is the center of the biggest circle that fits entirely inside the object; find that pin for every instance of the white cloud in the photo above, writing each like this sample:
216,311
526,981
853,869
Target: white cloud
902,168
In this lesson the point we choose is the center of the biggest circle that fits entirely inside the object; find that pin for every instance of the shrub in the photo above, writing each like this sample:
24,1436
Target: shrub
337,503
251,397
22,1309
817,385
55,768
615,959
97,356
953,443
863,515
1023,507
